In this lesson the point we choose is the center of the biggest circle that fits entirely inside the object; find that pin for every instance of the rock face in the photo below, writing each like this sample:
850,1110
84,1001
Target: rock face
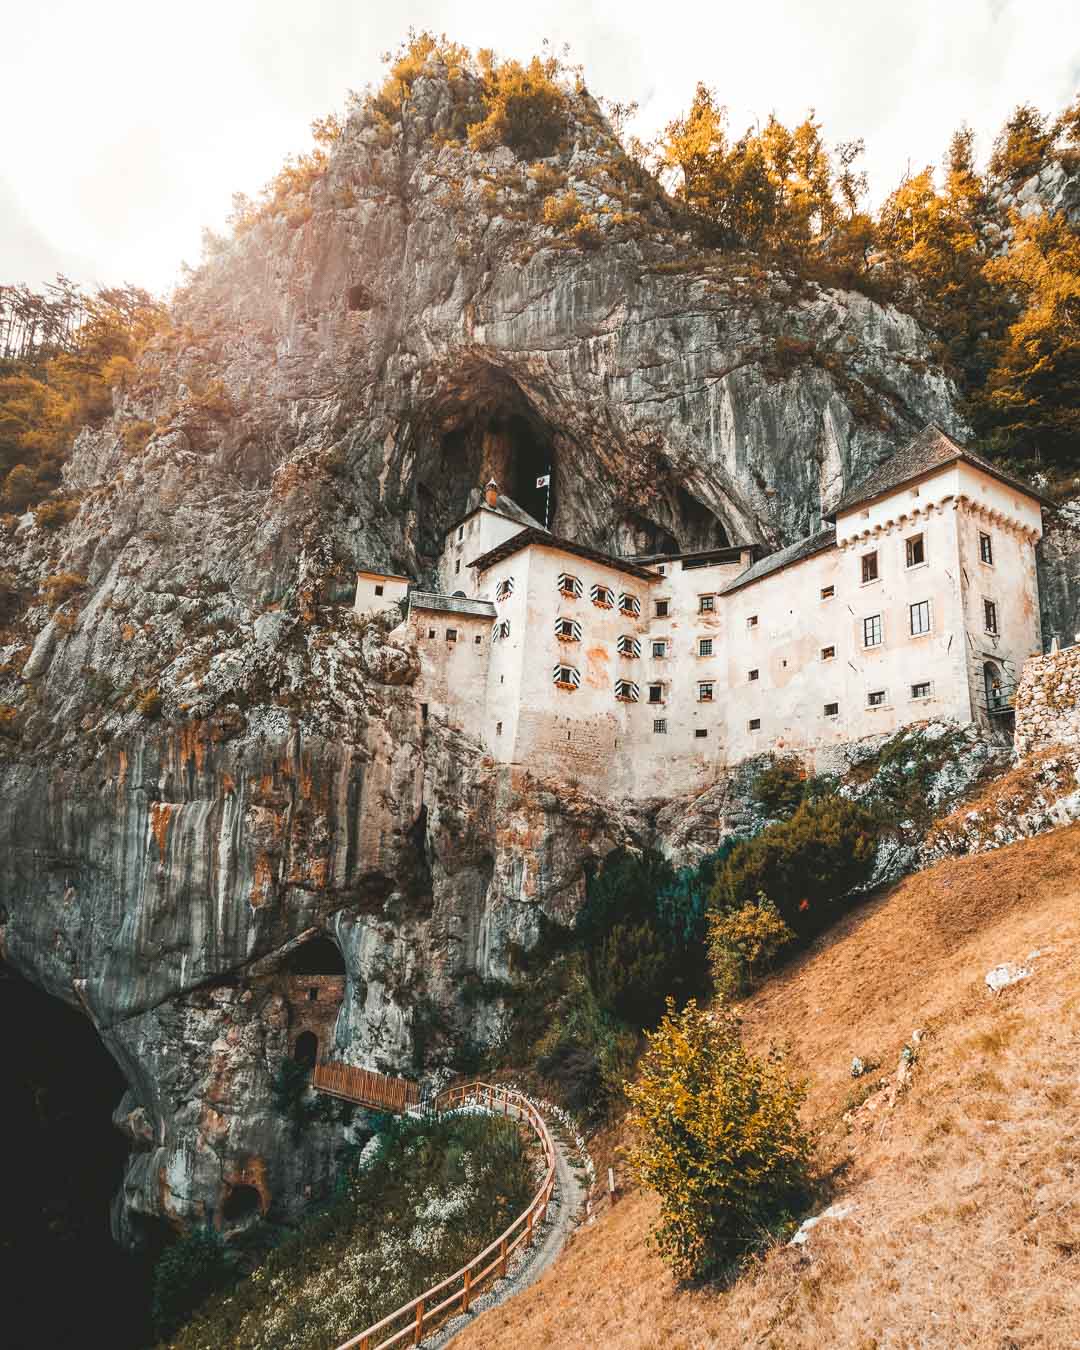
206,759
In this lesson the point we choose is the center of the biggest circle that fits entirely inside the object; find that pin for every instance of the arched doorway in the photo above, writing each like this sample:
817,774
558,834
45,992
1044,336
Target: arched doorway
306,1049
994,681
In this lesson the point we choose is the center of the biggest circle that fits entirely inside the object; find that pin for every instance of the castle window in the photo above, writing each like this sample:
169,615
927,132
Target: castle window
920,617
704,647
431,633
752,674
569,585
871,631
629,604
313,994
869,567
659,648
602,596
916,550
751,621
504,590
629,646
662,608
921,690
706,604
990,616
567,630
478,639
986,549
662,570
461,532
828,653
705,691
700,733
827,592
754,724
500,631
378,590
451,635
423,712
626,691
876,698
832,709
498,728
656,693
659,726
566,677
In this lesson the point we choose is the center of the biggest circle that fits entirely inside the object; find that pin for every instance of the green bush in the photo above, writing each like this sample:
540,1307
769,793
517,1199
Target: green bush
742,942
718,1137
525,108
185,1276
780,786
805,865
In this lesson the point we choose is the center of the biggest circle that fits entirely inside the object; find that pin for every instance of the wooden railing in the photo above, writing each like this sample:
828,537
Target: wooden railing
413,1321
366,1087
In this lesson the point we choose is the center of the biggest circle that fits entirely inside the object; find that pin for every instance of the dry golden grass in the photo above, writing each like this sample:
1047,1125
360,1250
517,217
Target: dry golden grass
966,1231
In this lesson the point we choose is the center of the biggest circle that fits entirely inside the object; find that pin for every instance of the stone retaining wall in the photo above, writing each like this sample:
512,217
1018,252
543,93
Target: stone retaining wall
1048,702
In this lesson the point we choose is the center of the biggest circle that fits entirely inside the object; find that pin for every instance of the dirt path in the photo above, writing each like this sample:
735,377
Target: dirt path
564,1210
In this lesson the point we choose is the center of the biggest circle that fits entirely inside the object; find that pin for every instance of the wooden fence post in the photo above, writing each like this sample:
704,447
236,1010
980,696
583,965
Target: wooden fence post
529,1226
418,1332
466,1293
502,1258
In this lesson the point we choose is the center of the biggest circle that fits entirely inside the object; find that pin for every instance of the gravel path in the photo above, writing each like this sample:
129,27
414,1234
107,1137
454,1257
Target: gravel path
564,1208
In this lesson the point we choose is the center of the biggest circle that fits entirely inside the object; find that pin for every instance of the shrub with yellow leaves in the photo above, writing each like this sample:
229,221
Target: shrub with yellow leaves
718,1137
743,941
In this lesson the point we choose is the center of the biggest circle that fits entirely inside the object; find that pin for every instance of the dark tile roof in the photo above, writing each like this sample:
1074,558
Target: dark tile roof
541,536
931,449
786,557
452,604
728,553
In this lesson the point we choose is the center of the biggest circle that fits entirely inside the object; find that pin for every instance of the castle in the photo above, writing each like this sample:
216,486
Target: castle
644,676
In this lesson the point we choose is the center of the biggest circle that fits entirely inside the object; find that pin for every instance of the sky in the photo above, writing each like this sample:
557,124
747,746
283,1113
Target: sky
131,123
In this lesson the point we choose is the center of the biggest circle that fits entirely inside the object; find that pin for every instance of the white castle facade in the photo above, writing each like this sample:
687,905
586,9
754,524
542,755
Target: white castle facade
646,676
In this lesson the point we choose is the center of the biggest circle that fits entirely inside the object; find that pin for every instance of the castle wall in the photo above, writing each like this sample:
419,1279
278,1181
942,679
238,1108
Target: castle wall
1048,702
485,529
376,591
453,673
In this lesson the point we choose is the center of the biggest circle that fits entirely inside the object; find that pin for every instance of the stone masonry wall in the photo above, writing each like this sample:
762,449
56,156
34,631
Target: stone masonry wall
1048,702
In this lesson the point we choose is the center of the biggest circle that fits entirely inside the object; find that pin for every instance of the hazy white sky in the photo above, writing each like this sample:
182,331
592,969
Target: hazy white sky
129,123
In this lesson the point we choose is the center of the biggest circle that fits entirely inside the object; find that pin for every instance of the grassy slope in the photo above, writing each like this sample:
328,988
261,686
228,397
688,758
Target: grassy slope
967,1226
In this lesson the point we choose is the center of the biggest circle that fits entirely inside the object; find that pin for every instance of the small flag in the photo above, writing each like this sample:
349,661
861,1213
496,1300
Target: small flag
544,482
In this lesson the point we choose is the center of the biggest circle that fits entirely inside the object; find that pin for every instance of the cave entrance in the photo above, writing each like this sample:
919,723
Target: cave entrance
319,956
65,1161
306,1050
242,1202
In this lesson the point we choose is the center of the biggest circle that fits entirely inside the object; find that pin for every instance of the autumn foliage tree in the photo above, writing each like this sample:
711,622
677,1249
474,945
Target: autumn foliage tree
717,1136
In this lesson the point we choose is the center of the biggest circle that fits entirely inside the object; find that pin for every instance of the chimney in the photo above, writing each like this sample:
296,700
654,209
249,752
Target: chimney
491,492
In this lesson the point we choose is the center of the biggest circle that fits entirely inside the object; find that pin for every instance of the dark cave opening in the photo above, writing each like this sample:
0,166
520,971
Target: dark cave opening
68,1283
317,956
241,1202
306,1050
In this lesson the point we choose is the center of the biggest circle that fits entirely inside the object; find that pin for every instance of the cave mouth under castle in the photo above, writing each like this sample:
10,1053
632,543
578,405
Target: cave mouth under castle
647,675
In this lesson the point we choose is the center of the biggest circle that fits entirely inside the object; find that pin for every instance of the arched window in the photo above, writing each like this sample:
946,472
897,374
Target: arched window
306,1049
996,695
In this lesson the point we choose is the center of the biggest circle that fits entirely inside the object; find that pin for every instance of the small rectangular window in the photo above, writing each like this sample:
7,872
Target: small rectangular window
656,693
626,691
662,569
602,596
986,549
478,639
378,590
567,630
566,677
498,728
751,622
920,618
706,604
754,724
916,550
704,647
828,653
876,698
827,592
569,585
869,567
832,709
457,567
871,631
451,635
700,733
752,674
662,608
921,690
659,726
431,632
423,712
659,649
629,604
705,691
990,616
628,646
461,531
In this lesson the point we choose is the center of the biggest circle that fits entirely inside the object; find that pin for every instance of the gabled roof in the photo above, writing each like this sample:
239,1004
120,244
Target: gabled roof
931,449
786,557
540,536
385,576
725,553
452,604
505,506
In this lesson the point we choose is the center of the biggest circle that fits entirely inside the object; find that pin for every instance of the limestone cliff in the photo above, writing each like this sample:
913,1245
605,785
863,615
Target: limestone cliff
206,758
